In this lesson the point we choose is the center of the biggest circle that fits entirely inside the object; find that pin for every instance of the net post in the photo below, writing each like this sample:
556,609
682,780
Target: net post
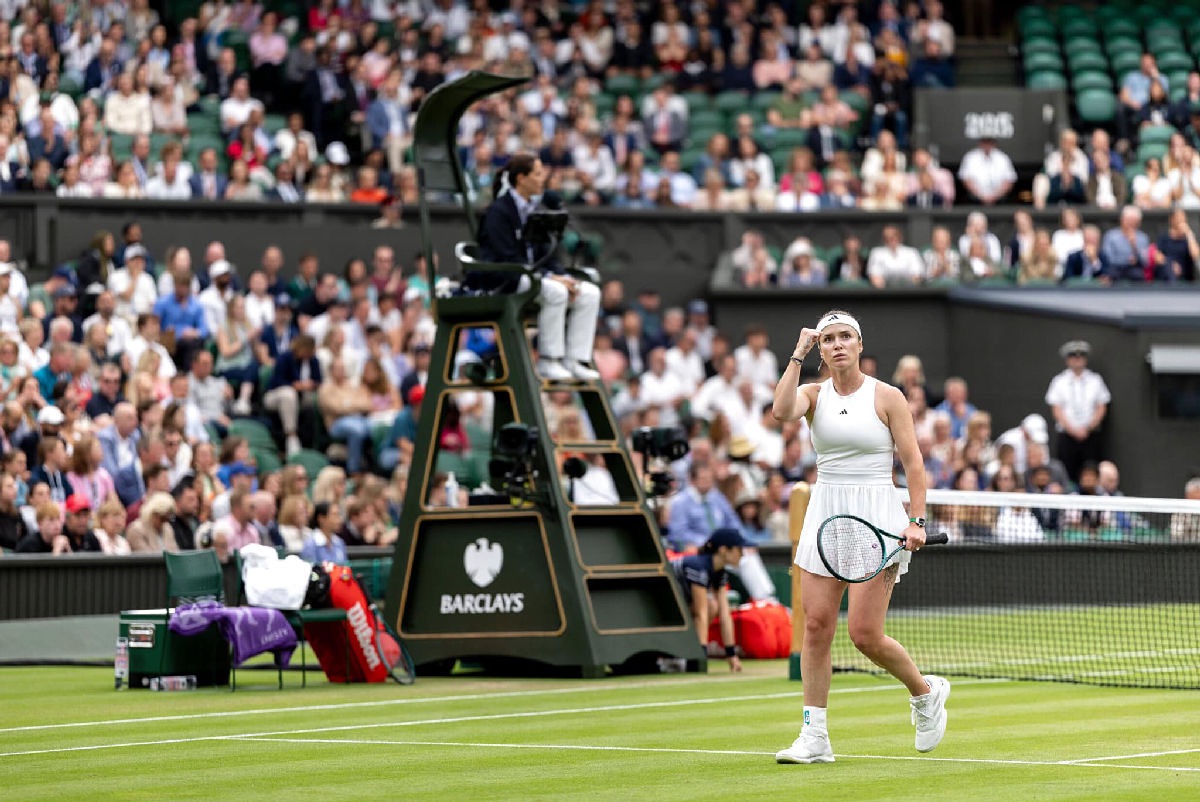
797,507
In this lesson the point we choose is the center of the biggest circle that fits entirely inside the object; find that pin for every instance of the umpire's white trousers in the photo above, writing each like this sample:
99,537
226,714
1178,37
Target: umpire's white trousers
566,328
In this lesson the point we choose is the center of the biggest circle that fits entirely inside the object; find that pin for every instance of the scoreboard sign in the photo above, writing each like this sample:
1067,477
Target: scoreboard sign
1022,121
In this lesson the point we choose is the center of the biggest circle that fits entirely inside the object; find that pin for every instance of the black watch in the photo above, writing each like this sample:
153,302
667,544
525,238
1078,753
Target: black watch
918,521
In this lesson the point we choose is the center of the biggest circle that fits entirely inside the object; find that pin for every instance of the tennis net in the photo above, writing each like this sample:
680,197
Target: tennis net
1088,589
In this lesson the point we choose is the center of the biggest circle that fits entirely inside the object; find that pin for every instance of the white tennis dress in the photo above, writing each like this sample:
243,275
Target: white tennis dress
854,471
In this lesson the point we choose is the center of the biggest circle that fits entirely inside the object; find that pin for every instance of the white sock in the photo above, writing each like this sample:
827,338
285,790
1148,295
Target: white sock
815,717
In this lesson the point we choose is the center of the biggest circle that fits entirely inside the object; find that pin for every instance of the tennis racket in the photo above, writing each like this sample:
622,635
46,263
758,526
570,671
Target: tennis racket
854,550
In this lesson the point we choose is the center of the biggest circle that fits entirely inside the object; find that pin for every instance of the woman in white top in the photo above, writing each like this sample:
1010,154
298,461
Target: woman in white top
126,184
857,423
1069,238
1153,189
1185,179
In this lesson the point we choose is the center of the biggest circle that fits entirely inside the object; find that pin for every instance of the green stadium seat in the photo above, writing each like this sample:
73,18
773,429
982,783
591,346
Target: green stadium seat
1091,79
604,103
1079,45
1162,31
1156,133
788,138
709,118
732,101
781,158
1122,27
622,85
313,461
697,101
1096,106
121,146
158,141
1043,61
1112,47
266,459
1147,13
698,138
1177,79
1077,26
1151,150
466,470
1105,14
1040,46
689,157
1069,10
652,82
255,433
1088,60
204,124
1175,61
1046,79
765,100
1039,41
1037,27
1125,63
1031,12
274,122
210,105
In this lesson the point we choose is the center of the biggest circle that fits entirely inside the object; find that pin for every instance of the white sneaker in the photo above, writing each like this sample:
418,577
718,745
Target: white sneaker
929,713
293,445
553,370
583,372
811,747
241,407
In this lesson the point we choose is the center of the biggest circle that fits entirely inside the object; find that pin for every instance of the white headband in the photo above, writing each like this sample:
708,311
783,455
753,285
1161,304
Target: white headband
839,317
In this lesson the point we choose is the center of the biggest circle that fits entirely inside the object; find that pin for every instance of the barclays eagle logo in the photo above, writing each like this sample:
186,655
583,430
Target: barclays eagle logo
483,561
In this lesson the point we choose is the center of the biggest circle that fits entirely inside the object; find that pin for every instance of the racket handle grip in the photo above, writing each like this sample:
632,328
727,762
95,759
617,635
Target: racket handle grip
938,539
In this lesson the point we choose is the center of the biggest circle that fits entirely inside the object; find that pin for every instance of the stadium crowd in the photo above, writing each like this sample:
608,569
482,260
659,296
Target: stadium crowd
150,399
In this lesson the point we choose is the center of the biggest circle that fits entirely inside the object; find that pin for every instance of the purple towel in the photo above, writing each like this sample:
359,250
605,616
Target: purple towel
251,630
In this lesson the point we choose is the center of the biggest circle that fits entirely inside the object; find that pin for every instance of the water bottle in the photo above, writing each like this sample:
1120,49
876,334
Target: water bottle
179,682
451,490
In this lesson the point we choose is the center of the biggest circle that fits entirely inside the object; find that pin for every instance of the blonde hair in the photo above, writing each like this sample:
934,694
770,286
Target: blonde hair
294,511
111,506
157,504
323,488
904,363
48,512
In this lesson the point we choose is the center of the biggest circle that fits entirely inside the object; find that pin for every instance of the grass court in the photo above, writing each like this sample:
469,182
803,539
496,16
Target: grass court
65,734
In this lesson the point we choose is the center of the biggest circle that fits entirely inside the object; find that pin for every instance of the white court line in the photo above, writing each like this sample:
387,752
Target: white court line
1141,754
380,703
735,752
462,719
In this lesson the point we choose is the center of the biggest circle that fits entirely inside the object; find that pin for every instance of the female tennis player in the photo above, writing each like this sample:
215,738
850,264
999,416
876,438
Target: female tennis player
857,423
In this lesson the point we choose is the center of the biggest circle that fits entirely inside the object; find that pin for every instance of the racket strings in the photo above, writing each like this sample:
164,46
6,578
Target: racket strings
854,551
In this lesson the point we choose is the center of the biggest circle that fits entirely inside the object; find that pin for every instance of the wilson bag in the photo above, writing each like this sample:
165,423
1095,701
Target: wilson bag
361,648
